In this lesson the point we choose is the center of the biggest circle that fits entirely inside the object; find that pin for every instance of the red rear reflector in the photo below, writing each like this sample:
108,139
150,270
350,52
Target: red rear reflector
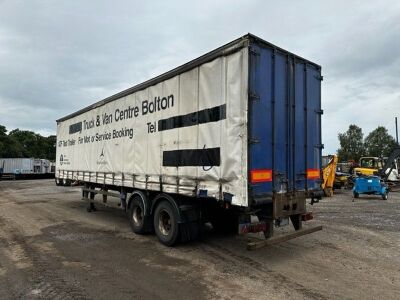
313,173
261,175
252,227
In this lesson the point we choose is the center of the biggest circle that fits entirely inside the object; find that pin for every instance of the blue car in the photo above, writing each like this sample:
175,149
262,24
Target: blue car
370,185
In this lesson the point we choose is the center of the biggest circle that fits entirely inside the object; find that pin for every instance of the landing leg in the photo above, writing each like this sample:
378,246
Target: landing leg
270,229
105,196
91,207
296,221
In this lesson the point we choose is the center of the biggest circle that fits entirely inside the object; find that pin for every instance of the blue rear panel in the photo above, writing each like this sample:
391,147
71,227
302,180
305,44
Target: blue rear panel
284,120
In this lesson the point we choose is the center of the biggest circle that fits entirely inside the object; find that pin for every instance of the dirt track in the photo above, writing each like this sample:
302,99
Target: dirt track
50,247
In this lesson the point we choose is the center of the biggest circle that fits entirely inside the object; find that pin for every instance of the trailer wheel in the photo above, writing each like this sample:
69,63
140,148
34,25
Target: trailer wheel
166,223
385,196
59,182
140,223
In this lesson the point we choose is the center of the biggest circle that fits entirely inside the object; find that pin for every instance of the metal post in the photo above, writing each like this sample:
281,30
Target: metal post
397,131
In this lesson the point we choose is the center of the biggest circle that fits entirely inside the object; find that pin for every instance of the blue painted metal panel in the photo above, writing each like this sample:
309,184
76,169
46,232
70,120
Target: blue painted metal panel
369,185
280,126
313,123
285,119
290,121
300,119
260,97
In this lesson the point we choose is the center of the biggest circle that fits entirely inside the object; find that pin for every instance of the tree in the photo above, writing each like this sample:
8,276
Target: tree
3,141
50,147
29,141
379,142
351,144
23,143
3,131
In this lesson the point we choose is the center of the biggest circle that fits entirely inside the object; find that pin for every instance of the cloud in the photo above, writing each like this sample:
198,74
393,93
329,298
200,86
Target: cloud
59,56
361,73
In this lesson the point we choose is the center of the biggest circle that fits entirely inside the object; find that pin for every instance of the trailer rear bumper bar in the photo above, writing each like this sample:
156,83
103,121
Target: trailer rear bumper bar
256,243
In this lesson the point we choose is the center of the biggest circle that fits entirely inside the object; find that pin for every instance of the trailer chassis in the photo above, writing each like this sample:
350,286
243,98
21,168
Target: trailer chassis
142,207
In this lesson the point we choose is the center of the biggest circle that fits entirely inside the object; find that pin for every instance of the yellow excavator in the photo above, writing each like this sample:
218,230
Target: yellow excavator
329,164
369,166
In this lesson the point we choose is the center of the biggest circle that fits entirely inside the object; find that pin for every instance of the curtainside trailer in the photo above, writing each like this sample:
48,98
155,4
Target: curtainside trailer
25,168
232,138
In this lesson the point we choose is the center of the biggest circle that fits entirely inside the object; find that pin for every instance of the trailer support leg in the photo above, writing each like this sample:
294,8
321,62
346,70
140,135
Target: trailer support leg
270,229
91,206
85,194
296,221
122,197
105,195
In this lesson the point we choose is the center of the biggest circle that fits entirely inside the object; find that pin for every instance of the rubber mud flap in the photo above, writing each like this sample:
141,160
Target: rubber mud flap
189,231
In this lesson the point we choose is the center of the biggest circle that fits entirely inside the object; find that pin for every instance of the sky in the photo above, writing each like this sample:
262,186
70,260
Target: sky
59,56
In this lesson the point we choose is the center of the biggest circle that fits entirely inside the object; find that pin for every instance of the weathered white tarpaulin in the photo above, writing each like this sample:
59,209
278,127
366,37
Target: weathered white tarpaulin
185,135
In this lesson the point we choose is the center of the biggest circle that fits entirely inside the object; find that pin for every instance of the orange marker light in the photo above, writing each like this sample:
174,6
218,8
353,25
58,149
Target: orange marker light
261,175
313,174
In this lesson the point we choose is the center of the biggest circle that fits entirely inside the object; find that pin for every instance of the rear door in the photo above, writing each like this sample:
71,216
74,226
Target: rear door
284,123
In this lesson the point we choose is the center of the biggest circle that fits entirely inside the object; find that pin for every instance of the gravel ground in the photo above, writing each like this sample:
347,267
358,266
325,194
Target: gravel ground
50,247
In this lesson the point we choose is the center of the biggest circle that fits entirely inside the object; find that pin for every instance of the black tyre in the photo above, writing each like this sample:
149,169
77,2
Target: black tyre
356,195
66,182
385,196
166,223
140,223
59,182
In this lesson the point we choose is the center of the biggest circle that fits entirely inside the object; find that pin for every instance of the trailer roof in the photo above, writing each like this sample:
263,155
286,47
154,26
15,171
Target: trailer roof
224,50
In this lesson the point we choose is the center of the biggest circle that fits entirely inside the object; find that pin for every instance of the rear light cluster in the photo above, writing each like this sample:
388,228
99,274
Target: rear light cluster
313,173
260,175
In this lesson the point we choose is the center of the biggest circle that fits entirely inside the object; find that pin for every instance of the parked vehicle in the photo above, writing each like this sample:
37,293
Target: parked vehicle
370,185
28,168
381,182
2,169
343,176
232,134
371,166
329,164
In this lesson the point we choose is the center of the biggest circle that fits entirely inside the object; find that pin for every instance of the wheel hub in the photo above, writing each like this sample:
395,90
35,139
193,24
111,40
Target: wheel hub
137,215
164,222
